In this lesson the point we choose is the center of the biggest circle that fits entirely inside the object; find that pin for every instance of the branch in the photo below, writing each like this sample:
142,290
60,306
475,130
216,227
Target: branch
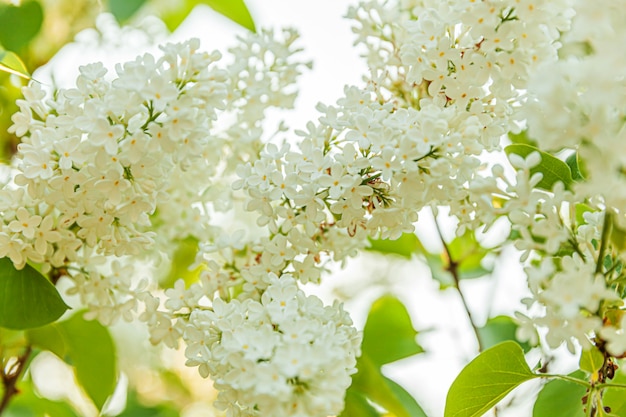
606,232
11,376
453,268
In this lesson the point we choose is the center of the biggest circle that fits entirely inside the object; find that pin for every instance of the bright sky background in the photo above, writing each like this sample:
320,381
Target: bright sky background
327,40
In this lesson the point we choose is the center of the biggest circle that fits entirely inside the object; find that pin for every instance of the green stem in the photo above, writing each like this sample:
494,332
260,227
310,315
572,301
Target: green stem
453,268
606,228
603,386
566,378
11,376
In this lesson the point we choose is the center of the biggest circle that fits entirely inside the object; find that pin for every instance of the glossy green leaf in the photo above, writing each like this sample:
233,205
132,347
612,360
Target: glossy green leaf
574,164
406,245
124,9
27,298
552,168
591,360
20,24
11,63
468,255
387,337
615,398
184,256
371,383
618,237
356,405
235,10
499,329
486,380
408,402
580,209
389,334
438,265
560,398
91,351
88,347
522,137
175,16
29,404
50,337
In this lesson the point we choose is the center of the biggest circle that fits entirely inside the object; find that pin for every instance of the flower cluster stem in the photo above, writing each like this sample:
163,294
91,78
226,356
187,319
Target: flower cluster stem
11,376
453,268
606,233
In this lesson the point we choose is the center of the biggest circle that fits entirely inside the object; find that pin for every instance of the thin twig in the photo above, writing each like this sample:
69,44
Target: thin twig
453,268
606,232
11,376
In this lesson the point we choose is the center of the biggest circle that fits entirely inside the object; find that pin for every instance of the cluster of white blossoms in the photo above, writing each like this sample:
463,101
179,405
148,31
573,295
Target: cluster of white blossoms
577,105
443,89
285,354
122,166
113,168
94,163
94,160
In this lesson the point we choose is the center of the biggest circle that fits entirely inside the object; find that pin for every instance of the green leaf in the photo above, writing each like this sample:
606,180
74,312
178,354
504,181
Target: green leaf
124,9
389,334
618,237
356,405
467,253
175,16
591,360
387,337
20,24
522,137
615,398
552,168
499,329
11,63
88,347
438,266
92,354
573,162
582,208
50,337
184,256
27,298
486,380
559,398
134,408
29,404
406,245
371,383
408,402
235,10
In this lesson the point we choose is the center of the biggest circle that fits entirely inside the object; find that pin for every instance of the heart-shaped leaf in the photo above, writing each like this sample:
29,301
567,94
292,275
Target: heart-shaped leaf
88,347
560,398
20,24
389,334
27,298
486,380
552,168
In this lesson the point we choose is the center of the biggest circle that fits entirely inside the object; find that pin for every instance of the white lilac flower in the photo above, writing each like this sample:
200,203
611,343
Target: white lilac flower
282,356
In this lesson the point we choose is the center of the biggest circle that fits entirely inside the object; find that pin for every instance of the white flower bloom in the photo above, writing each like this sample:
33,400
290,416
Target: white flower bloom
286,353
615,337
